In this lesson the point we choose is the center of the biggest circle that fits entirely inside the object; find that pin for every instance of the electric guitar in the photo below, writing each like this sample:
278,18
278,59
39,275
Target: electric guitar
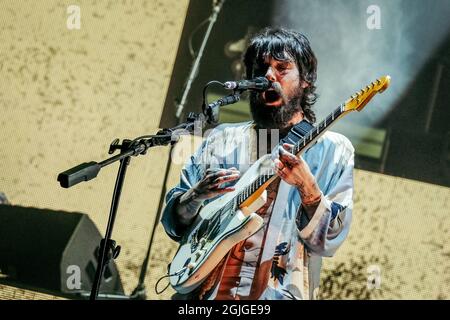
231,218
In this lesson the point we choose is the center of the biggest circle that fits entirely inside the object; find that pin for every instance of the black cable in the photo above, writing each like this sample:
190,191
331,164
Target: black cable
205,101
168,276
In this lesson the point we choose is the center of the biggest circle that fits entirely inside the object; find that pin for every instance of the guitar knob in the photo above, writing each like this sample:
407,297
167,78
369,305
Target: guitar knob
191,265
198,255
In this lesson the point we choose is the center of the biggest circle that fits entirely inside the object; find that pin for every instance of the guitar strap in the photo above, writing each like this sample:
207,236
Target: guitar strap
297,132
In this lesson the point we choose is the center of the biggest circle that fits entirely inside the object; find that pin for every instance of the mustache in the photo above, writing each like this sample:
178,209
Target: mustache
277,88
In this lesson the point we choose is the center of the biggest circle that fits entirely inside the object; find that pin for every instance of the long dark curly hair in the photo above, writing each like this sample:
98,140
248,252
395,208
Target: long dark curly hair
282,44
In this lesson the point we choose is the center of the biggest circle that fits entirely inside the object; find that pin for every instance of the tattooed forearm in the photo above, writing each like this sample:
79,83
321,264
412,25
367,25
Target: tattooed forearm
311,196
310,192
188,206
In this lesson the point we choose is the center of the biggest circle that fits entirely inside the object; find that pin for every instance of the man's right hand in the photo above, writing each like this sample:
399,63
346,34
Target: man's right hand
208,187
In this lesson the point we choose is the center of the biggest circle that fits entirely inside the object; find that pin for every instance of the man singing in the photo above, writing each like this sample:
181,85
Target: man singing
308,211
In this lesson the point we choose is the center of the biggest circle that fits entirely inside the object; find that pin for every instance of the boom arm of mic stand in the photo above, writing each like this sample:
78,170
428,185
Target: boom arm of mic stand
89,170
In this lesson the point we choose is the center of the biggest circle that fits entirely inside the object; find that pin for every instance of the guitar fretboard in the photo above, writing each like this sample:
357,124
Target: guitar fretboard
298,147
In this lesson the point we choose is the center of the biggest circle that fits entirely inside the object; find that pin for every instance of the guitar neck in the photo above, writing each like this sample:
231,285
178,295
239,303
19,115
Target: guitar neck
317,131
264,179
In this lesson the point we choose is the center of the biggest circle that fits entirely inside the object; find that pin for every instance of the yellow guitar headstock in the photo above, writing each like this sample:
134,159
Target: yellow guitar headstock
359,100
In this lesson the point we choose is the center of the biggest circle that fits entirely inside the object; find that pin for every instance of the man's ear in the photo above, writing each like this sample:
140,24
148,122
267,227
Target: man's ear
304,84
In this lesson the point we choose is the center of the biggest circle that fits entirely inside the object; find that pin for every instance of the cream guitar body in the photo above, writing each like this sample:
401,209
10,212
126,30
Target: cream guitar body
219,226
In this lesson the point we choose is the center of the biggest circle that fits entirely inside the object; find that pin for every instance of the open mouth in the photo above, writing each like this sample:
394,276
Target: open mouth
271,96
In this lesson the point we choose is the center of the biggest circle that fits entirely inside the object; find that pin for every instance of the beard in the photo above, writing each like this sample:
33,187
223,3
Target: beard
269,117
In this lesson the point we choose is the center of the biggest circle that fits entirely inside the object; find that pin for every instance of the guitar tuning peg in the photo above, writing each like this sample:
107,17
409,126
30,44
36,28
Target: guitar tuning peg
378,81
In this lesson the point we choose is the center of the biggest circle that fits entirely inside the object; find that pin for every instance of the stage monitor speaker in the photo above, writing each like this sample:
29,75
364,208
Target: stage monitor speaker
52,251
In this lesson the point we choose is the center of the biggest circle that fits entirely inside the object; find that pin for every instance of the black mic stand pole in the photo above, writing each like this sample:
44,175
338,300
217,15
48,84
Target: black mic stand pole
139,291
108,247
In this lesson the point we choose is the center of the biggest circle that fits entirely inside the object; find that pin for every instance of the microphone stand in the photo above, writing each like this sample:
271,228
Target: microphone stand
139,146
88,171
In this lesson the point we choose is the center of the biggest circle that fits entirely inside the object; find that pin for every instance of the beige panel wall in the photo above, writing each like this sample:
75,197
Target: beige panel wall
400,232
66,94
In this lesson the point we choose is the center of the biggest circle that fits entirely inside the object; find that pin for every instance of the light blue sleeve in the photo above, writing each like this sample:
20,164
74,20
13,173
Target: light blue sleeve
192,171
211,154
330,224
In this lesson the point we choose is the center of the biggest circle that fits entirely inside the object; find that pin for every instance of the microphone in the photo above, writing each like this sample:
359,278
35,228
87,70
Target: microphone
258,84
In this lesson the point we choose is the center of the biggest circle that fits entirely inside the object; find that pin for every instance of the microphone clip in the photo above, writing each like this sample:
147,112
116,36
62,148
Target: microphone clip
211,111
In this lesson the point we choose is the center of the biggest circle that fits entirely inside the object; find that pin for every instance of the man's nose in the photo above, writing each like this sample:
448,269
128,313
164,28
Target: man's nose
270,74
